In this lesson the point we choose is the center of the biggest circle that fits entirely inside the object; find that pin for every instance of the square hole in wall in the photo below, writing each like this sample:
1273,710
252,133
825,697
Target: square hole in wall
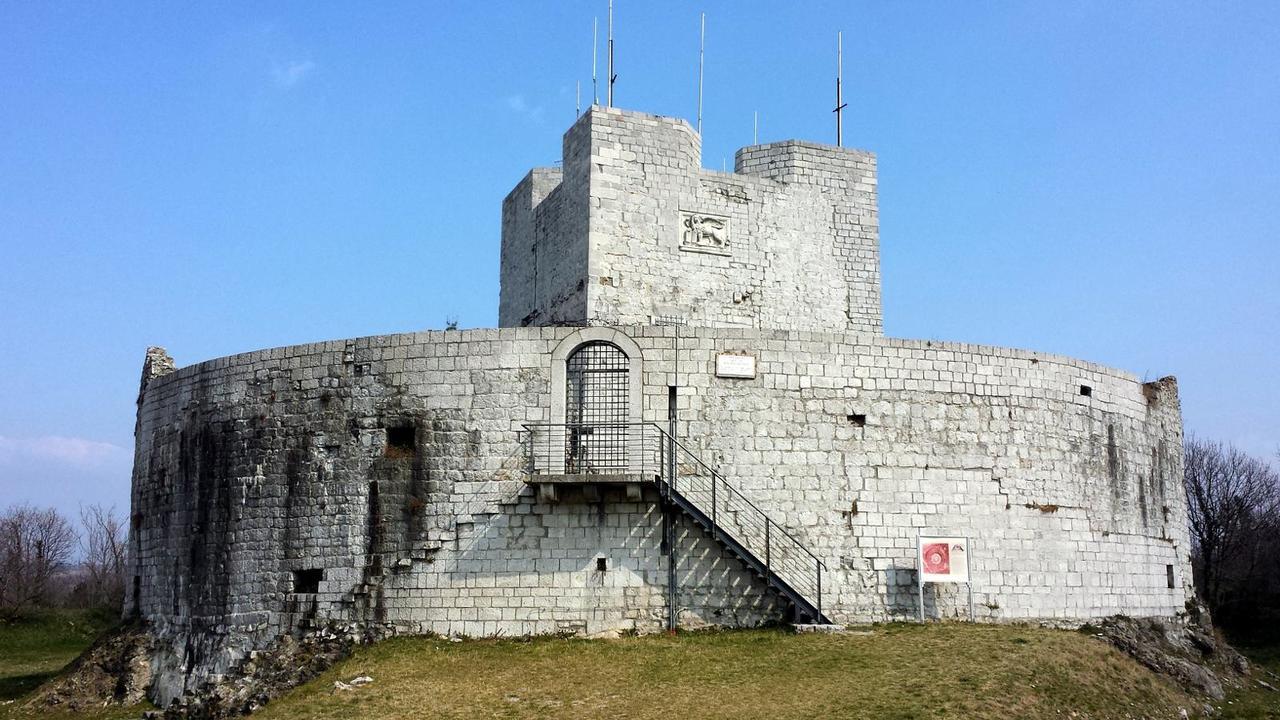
1086,391
602,564
400,441
1168,574
857,419
307,581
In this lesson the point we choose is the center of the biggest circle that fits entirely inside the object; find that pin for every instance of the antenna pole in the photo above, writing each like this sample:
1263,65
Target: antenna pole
612,77
840,104
755,128
595,44
702,47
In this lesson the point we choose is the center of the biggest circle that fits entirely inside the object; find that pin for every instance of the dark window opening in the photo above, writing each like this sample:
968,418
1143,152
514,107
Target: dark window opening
137,595
858,419
602,564
1086,391
1168,574
307,581
400,441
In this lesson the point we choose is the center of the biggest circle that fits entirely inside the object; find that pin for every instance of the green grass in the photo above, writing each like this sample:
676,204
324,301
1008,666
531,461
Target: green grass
1256,703
35,649
896,671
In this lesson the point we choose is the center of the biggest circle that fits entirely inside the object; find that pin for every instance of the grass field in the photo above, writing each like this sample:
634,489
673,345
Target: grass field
891,671
895,671
34,649
1257,703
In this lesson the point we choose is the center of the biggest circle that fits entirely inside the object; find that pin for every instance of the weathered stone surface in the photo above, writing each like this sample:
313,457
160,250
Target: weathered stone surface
1188,654
269,673
633,228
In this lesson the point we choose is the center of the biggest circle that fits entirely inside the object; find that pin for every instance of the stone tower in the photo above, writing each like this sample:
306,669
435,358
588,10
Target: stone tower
632,229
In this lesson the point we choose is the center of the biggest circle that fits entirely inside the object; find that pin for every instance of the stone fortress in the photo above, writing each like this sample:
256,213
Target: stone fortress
689,416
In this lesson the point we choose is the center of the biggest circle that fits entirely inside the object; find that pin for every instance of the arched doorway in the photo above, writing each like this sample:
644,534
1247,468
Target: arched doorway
597,408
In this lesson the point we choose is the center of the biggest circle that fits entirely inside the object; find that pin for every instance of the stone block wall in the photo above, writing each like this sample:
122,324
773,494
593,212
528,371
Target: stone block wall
857,445
380,480
543,275
789,240
846,179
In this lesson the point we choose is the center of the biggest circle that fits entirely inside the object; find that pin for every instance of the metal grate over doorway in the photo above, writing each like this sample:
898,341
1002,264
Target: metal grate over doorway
596,409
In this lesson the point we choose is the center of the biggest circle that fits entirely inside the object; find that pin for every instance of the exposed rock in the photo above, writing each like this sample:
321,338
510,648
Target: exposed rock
268,674
115,670
1190,654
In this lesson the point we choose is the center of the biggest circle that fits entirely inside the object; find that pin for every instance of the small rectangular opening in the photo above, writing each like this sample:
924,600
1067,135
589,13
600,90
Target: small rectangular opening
1168,574
307,581
400,441
1086,391
857,419
602,564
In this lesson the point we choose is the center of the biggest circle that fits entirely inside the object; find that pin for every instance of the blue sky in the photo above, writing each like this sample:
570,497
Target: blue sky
1096,179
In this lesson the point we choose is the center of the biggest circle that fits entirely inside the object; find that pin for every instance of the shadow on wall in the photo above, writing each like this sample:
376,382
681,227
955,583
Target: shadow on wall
602,561
902,598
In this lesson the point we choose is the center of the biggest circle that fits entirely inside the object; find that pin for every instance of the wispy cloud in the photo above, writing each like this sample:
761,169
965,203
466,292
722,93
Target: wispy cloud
517,104
68,450
288,74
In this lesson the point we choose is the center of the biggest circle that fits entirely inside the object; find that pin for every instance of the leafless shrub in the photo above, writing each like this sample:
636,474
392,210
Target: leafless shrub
34,546
1233,502
102,545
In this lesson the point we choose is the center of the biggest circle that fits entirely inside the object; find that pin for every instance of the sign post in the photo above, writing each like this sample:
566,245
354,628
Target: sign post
942,559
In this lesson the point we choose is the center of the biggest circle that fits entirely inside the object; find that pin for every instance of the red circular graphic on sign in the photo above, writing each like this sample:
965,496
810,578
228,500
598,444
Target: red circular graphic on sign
937,559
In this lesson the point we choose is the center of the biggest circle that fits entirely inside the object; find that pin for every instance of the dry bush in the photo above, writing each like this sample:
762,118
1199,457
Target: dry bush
103,546
35,545
1233,503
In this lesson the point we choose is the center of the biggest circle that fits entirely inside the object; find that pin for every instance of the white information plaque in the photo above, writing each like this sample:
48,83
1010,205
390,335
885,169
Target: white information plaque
944,559
731,365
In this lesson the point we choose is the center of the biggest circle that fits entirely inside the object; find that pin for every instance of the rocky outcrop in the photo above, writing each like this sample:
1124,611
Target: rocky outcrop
268,674
1188,652
115,670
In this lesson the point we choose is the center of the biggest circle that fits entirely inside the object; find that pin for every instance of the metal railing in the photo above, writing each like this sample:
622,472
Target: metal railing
593,449
649,451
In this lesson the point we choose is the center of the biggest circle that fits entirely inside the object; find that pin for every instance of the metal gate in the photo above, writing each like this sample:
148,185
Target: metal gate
596,410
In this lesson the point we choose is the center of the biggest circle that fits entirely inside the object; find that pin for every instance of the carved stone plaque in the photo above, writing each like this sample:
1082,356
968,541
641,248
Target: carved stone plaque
733,365
700,232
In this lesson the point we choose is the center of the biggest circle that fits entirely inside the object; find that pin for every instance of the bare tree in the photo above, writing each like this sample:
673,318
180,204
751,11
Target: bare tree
34,546
103,545
1233,503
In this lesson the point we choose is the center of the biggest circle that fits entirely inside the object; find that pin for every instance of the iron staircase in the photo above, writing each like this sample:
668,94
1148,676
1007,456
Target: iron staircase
648,454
